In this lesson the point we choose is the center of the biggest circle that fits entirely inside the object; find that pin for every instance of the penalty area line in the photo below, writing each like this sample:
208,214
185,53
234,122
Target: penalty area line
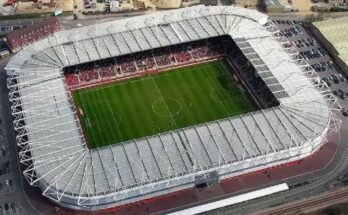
159,91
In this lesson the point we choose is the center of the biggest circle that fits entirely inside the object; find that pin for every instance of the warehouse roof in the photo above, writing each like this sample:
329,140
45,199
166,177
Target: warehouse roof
336,31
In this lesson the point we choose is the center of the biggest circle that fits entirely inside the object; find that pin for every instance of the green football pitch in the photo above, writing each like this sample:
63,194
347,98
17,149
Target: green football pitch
153,104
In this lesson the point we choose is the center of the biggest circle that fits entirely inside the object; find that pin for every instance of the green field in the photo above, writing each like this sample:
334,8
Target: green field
163,102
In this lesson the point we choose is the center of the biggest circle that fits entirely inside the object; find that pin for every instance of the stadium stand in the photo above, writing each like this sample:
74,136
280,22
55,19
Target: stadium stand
143,62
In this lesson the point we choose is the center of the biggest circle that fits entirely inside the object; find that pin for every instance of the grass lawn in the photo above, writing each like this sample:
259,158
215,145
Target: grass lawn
149,105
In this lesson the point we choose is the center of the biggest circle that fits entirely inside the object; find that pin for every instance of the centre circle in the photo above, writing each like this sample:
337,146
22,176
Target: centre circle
166,107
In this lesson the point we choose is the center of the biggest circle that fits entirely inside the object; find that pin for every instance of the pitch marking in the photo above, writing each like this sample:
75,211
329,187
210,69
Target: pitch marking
212,95
165,103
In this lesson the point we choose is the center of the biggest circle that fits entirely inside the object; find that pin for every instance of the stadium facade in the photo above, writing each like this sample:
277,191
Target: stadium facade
54,149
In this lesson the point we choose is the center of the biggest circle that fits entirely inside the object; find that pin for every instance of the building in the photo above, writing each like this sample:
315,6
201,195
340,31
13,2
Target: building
334,36
276,6
54,149
338,3
170,4
209,2
21,38
247,3
186,3
333,5
164,4
4,53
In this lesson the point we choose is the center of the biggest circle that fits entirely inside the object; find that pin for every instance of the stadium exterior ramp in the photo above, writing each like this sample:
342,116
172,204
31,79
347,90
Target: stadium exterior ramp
53,147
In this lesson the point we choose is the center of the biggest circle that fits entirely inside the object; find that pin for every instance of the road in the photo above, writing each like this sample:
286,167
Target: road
16,194
308,205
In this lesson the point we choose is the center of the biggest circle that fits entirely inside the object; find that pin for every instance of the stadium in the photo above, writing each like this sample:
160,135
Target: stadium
132,109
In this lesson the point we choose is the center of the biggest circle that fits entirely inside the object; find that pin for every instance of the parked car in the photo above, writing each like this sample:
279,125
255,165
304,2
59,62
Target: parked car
6,206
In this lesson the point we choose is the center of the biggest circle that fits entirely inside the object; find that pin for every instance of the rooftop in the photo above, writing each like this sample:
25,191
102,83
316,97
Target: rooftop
336,31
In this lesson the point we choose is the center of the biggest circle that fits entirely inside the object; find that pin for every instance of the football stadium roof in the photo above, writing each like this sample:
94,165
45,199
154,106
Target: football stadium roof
336,31
54,148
